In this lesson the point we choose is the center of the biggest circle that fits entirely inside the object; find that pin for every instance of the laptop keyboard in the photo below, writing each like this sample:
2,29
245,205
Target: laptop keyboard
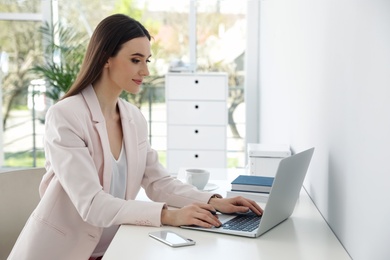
245,222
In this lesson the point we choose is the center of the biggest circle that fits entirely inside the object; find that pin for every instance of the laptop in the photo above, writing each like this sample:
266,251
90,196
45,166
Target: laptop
280,205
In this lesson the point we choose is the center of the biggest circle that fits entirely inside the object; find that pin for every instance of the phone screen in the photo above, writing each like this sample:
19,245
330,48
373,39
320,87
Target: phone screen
171,238
174,238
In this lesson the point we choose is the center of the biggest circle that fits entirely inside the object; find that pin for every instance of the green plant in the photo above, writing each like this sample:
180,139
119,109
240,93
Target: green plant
64,52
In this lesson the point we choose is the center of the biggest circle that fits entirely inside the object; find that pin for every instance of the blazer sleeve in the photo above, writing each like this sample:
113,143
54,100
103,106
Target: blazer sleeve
160,186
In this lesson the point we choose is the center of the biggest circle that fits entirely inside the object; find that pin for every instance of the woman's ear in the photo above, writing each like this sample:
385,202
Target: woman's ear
107,64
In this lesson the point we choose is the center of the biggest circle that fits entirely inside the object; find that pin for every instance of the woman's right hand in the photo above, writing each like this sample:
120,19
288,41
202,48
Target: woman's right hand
198,214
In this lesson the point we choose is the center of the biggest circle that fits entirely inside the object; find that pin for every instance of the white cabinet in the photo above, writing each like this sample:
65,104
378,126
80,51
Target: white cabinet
196,120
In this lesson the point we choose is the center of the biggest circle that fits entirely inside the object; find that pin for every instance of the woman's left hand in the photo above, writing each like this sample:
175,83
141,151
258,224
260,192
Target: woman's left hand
235,204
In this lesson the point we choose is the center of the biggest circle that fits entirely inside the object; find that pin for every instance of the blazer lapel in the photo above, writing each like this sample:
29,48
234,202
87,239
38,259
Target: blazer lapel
100,124
131,144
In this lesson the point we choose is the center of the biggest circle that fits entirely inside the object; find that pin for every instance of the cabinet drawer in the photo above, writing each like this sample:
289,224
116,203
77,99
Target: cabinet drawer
197,112
197,137
196,158
196,87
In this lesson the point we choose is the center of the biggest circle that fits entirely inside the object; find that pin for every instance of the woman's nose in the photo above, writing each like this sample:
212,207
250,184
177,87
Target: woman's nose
144,71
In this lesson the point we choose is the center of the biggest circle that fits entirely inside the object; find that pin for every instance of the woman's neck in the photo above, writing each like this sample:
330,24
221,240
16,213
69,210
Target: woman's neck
108,99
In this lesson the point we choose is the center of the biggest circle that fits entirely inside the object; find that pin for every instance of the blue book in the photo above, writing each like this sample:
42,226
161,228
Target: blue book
252,183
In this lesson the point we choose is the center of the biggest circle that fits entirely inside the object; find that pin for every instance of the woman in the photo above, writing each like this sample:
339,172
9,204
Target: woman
98,157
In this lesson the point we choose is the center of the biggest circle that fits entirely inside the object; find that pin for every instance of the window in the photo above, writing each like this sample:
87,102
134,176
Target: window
220,46
20,48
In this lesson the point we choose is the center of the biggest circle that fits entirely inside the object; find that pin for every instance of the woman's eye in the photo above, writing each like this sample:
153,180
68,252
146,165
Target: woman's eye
136,61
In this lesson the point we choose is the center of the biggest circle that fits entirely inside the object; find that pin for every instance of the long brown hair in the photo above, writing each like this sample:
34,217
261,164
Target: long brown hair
105,42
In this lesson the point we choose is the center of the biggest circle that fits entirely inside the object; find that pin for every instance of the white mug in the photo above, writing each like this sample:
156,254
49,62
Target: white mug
197,177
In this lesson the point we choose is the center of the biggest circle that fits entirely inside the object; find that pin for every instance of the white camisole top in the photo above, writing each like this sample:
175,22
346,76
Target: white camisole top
117,189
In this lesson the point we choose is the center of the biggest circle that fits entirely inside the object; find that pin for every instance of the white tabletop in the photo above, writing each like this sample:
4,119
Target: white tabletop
305,235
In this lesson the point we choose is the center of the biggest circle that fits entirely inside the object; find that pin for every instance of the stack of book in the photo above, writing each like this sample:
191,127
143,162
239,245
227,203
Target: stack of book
252,187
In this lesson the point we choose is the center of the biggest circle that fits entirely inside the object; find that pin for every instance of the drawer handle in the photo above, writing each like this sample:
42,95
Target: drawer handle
196,131
196,106
196,81
196,156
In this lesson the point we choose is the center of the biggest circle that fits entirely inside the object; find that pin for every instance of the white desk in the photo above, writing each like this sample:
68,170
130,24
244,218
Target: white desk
305,235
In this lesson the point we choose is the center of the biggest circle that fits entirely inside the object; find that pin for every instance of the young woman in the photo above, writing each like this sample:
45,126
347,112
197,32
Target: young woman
98,157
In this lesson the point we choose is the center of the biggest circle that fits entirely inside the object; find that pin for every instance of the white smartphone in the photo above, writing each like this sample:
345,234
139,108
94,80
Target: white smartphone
171,238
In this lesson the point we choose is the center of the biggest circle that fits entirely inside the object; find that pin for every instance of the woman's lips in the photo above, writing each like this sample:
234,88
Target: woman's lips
137,81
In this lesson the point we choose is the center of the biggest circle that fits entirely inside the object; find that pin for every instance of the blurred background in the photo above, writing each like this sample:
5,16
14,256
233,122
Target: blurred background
42,43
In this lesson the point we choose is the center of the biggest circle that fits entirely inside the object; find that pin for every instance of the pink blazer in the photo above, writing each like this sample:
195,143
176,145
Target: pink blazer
75,204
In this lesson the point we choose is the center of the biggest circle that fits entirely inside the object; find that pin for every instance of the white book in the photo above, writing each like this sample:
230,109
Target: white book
256,196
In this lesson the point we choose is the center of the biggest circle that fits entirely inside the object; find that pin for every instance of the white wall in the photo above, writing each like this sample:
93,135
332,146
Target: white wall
325,82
